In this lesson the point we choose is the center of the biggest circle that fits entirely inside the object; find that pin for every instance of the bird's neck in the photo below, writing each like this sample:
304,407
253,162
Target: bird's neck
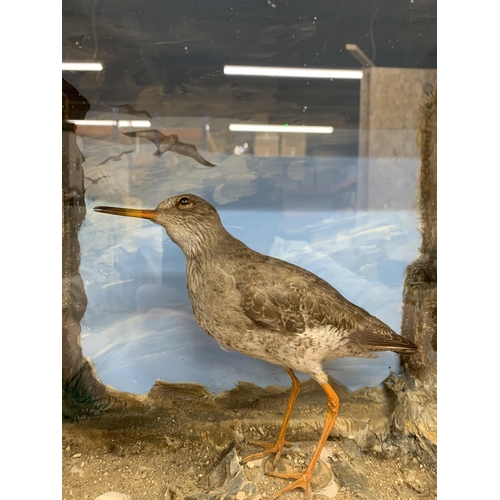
207,242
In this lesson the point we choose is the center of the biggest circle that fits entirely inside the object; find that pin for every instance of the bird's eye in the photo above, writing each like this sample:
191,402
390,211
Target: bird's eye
184,201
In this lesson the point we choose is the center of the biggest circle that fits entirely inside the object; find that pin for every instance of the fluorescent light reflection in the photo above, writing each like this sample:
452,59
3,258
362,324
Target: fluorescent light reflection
293,72
294,129
81,66
134,123
94,123
112,123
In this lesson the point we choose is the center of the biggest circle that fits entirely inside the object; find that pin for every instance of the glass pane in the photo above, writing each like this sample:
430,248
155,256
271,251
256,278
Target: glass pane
338,201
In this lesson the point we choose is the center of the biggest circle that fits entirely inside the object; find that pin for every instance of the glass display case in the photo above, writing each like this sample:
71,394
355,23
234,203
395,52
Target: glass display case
302,123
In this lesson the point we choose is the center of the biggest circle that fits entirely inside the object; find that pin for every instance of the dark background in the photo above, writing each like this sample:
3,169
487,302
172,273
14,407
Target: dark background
182,47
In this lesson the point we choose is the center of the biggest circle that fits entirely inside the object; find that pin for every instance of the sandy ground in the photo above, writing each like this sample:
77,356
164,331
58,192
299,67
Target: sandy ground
150,471
166,453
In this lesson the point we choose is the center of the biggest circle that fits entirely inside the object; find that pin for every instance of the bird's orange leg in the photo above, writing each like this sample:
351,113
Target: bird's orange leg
277,447
303,480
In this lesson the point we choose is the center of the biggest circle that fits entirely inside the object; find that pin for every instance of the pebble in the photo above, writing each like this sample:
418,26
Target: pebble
77,455
250,465
240,495
113,495
76,470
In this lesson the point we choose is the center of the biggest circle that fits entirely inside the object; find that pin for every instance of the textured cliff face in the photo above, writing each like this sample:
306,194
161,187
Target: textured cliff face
420,300
80,387
416,412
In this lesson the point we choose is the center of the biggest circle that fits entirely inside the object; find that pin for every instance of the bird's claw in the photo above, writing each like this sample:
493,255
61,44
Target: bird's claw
302,480
269,449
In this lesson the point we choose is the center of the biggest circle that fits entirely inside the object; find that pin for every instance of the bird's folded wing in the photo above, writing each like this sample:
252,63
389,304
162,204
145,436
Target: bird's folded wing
270,306
284,298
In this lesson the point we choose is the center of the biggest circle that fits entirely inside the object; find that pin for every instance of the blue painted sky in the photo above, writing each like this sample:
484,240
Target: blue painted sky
139,327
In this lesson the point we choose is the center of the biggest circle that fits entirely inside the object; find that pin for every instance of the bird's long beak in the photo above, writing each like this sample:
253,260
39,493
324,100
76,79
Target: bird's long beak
128,212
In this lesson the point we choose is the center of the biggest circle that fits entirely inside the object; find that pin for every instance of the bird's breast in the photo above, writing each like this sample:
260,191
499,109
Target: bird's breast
214,298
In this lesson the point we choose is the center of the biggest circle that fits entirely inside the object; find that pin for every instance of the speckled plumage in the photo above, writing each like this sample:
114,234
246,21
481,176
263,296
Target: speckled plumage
267,308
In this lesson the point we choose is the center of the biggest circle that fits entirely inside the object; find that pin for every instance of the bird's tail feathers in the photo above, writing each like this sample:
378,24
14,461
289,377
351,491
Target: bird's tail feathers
384,341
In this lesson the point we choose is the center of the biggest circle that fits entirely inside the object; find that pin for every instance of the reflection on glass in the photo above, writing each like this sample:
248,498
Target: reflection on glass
311,158
139,327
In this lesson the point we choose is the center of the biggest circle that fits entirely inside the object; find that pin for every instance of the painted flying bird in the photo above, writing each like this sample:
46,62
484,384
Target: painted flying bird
116,157
166,143
94,181
267,308
105,155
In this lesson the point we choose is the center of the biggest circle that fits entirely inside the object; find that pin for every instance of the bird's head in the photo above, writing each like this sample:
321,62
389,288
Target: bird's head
190,221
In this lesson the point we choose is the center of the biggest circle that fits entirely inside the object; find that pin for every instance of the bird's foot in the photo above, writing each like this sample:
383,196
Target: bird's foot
269,449
302,480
